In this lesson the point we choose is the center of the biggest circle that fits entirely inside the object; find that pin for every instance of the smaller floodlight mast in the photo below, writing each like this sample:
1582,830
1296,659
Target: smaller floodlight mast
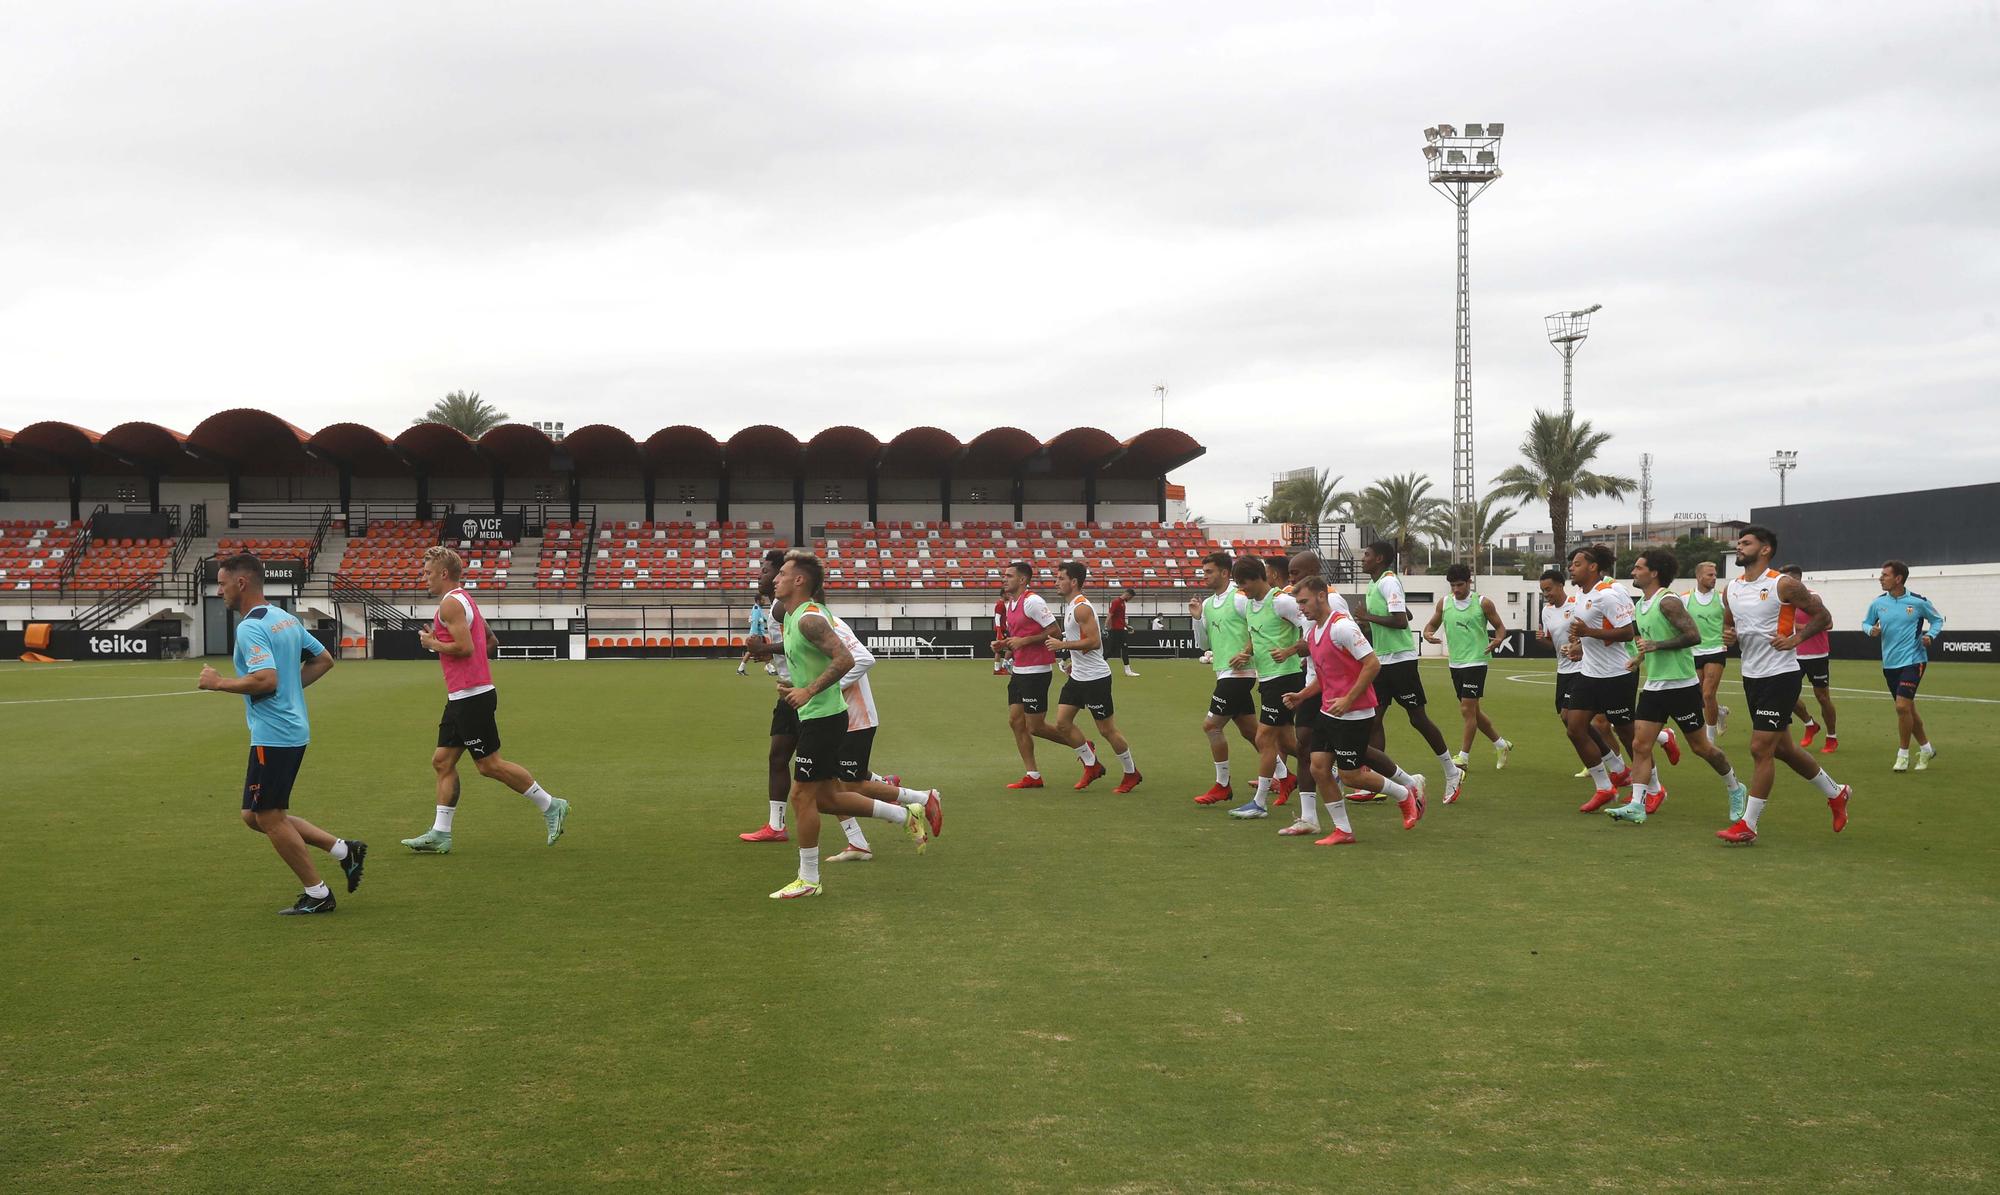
1783,461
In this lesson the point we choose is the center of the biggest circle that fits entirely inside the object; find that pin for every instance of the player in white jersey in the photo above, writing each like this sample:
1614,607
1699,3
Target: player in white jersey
1600,625
1761,619
1089,683
1559,607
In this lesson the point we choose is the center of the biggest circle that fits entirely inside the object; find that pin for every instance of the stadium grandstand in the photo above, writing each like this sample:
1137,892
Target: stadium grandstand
598,542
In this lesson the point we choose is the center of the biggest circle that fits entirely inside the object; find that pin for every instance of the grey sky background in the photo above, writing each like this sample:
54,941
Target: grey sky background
973,214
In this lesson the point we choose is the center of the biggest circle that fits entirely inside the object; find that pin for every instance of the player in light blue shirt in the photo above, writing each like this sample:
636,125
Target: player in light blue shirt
1906,623
760,628
275,660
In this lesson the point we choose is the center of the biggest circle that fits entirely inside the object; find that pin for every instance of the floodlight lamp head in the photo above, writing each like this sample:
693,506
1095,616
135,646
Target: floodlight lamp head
1430,153
1431,133
1475,130
1445,130
1496,131
1594,307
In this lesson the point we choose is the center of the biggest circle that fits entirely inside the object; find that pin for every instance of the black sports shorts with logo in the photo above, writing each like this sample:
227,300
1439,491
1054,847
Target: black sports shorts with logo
268,782
784,720
817,756
1233,697
1771,699
469,722
1401,683
1029,690
1271,710
1346,739
1818,671
855,749
1092,695
1680,706
1469,681
1612,696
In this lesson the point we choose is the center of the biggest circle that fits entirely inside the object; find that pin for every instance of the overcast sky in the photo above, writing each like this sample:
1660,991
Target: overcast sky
972,214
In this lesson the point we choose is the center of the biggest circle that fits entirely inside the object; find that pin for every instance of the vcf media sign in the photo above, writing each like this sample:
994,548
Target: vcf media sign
477,527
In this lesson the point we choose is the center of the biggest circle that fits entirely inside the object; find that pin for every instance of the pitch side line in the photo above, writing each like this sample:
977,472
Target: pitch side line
1534,678
120,697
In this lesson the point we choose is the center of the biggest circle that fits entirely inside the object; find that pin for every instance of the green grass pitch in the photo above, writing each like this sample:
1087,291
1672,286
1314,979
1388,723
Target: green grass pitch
1068,992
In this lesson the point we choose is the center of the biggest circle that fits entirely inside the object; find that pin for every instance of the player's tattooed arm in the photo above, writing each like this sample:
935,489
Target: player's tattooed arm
1818,617
1686,634
820,634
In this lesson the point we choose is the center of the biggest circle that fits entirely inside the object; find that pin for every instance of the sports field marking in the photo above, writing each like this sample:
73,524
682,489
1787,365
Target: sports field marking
23,668
1534,678
118,697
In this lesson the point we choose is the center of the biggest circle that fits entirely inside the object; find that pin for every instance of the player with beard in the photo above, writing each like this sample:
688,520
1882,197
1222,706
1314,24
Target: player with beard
1761,620
1089,683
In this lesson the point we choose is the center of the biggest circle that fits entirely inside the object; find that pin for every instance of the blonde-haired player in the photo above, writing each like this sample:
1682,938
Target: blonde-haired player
459,635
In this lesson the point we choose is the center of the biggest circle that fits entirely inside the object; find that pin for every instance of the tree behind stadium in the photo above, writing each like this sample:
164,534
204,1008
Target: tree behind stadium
465,411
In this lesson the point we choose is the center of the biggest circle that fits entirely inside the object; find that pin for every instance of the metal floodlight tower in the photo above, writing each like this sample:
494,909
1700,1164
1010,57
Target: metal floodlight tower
1567,332
1783,462
1461,167
1646,497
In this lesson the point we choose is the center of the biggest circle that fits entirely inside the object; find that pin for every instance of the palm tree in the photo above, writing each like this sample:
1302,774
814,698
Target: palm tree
1556,455
1398,508
1310,501
1487,519
465,411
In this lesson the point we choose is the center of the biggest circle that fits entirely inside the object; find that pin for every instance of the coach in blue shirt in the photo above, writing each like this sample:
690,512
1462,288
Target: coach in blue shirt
1906,623
275,661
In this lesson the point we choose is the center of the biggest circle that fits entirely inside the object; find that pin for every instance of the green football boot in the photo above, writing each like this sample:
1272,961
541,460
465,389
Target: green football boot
430,842
1632,811
558,814
1739,800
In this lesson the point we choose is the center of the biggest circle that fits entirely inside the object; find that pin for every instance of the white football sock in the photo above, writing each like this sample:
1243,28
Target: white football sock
1034,775
1709,729
911,796
1338,810
338,850
1902,753
778,814
1087,753
1263,789
1450,763
1752,810
809,864
851,826
1222,773
1653,785
1125,761
1402,777
1662,737
1600,777
895,815
1281,773
1614,761
540,796
1309,807
1729,780
442,823
319,891
1394,791
1824,783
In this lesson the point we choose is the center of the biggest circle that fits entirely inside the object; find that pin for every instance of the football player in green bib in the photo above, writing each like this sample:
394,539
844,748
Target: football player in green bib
1387,618
1472,632
1667,637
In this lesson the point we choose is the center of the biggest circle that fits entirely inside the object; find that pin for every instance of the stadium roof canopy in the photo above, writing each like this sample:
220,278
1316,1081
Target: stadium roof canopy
244,441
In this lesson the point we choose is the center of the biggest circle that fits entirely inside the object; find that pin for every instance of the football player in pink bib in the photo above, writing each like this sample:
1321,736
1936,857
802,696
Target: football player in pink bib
459,635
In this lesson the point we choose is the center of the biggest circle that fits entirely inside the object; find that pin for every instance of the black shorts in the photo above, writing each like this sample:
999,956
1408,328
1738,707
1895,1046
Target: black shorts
1469,680
1304,718
1232,697
1271,709
855,748
1116,643
818,754
1818,672
268,782
469,723
1680,706
1346,739
1092,695
784,720
1399,682
1029,690
1565,689
1612,696
1772,698
1714,659
1903,682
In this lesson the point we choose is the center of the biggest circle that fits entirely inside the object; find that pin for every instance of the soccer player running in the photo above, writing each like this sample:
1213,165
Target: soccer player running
1121,631
1298,567
1026,619
813,650
1343,690
858,748
1472,631
1814,662
1711,655
1558,609
1601,622
272,673
1762,623
1089,683
1222,625
1907,624
1388,617
1672,690
1277,641
462,641
759,628
784,719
